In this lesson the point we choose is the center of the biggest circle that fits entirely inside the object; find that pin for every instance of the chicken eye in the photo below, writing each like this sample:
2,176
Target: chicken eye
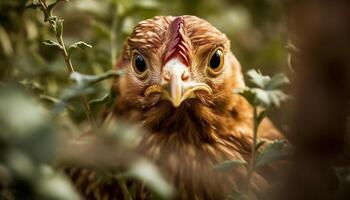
216,61
139,64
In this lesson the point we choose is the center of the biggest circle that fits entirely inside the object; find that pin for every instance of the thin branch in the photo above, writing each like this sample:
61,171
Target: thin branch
255,139
67,60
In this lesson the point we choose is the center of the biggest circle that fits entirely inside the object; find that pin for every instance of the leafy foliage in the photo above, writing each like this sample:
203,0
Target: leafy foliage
81,45
266,93
26,131
275,151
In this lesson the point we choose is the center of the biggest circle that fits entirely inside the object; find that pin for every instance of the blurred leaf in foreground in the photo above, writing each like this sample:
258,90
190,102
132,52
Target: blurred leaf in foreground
229,165
147,172
25,124
87,80
29,141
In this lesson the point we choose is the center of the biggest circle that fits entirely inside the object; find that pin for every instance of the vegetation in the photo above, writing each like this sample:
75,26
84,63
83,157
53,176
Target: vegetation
265,96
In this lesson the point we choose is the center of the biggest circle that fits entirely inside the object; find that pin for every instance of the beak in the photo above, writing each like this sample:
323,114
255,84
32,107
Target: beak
176,85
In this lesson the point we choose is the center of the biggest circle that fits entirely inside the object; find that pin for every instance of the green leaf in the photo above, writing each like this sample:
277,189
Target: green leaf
265,98
260,117
55,101
55,186
149,173
275,151
259,144
125,133
97,104
270,98
265,82
82,45
229,165
19,163
52,43
100,100
257,78
59,27
31,130
248,95
87,80
82,86
276,82
70,93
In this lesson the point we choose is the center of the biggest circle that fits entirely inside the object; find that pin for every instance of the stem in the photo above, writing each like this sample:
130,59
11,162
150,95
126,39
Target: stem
68,62
65,54
71,69
252,160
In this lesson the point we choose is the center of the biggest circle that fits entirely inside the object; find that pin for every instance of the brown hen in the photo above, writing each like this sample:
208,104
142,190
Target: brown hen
179,79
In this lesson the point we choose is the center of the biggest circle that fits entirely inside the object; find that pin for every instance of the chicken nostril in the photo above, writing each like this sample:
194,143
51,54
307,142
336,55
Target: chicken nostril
185,76
166,75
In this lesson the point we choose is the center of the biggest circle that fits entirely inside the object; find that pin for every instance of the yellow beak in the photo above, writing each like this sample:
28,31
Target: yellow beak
176,84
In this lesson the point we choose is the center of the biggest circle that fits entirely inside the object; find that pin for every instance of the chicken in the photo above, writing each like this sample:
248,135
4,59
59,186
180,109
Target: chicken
179,79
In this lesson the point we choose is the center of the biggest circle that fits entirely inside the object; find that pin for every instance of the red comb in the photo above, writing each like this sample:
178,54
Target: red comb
177,45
